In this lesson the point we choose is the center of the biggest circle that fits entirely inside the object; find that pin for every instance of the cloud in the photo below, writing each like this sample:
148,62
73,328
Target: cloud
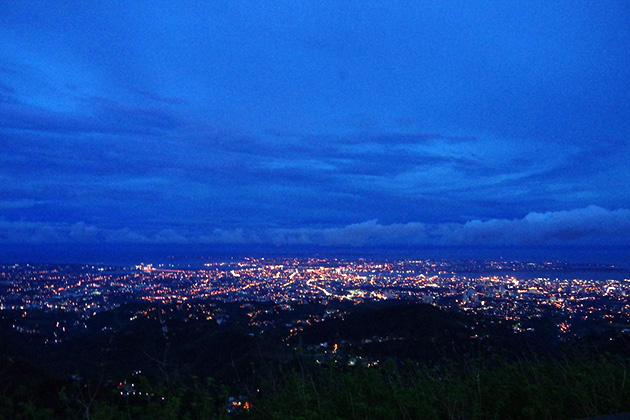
157,97
108,117
30,232
357,234
169,236
80,232
19,204
125,236
589,226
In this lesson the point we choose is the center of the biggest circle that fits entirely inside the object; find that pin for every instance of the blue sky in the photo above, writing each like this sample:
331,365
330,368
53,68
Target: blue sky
343,123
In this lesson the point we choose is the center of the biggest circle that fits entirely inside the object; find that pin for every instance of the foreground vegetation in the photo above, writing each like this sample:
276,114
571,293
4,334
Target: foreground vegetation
209,372
299,389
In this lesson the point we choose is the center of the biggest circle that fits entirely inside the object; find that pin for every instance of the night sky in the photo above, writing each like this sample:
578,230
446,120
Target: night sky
325,122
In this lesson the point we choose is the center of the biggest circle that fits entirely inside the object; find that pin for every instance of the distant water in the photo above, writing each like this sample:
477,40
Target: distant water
555,275
196,255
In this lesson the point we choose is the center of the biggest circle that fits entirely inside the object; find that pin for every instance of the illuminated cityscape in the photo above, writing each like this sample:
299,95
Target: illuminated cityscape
512,292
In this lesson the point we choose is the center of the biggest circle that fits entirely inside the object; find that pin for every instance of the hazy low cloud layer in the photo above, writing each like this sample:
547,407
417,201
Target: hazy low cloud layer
592,225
